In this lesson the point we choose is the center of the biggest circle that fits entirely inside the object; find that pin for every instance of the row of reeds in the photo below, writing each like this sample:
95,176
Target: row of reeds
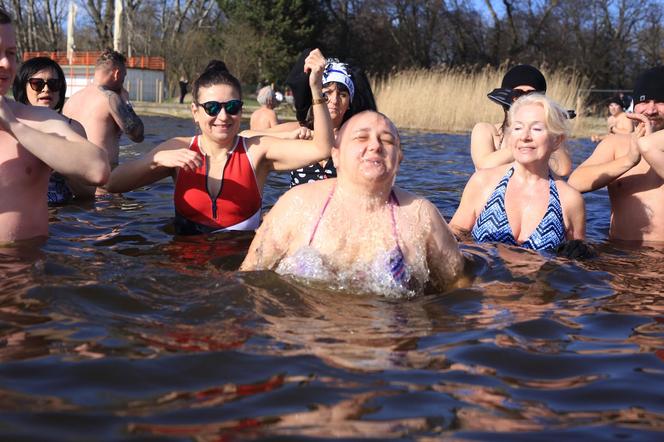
454,99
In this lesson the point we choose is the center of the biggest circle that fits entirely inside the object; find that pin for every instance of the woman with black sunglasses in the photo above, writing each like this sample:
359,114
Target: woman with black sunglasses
488,146
41,82
219,175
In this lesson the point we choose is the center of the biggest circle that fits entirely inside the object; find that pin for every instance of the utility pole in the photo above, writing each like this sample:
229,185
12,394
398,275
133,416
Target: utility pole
117,26
71,19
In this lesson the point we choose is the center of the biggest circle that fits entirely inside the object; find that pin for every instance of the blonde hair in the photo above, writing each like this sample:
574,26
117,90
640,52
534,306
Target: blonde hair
556,119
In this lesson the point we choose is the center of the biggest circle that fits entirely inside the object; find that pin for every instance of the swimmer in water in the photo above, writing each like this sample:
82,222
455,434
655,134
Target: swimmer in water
219,175
359,230
41,82
488,142
523,203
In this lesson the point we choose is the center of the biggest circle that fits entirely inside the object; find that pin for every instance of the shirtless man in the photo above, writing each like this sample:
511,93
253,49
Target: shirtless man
620,163
103,106
33,141
264,117
617,122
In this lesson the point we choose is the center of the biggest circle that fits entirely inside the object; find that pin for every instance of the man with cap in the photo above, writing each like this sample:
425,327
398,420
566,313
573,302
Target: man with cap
617,122
623,163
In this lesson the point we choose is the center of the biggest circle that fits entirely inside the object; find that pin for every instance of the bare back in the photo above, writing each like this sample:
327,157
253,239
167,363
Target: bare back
91,107
263,118
637,212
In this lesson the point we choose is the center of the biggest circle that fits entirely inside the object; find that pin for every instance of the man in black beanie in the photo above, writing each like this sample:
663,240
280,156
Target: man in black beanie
621,163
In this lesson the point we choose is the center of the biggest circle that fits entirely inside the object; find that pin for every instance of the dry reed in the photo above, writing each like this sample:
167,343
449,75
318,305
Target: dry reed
453,99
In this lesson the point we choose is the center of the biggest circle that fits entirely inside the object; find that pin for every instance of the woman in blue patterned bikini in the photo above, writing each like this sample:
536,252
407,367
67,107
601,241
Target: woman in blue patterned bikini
359,231
523,203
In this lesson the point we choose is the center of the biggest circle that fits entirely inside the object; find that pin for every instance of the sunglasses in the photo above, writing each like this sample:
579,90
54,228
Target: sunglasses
232,107
37,84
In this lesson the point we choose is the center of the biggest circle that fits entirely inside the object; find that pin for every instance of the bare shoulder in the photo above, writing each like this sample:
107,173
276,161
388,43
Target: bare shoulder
489,177
569,196
485,128
41,118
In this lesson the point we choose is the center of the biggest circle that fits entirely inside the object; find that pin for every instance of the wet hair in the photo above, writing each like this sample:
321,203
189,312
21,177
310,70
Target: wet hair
265,95
5,18
110,59
555,117
215,73
30,68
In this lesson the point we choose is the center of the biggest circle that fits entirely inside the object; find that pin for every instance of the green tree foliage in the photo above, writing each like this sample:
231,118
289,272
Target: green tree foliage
280,29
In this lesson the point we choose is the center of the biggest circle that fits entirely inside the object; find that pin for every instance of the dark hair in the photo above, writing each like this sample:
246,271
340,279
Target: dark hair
363,99
5,18
30,68
215,73
110,59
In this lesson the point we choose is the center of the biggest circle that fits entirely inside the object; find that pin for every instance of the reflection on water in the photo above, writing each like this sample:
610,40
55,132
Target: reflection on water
115,329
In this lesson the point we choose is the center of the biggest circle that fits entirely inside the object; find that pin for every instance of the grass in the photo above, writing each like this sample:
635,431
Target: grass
453,100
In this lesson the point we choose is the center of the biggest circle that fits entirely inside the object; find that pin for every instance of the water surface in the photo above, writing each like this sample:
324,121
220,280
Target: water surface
115,329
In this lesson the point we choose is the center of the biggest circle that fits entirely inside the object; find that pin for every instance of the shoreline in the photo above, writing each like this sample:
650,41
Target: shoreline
586,127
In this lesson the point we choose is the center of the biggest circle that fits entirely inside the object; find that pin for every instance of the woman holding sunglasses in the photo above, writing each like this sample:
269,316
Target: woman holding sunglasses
41,82
488,146
219,175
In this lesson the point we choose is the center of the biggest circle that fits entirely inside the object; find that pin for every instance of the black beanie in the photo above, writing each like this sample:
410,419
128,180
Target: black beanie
524,75
650,85
298,80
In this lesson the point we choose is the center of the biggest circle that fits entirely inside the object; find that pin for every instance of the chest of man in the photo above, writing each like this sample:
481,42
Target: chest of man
19,169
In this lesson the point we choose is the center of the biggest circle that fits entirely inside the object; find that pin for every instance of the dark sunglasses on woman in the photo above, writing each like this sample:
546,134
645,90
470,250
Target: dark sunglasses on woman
232,107
37,84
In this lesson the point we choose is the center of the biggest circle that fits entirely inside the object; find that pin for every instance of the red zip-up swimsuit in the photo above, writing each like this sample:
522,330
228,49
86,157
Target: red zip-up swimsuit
237,206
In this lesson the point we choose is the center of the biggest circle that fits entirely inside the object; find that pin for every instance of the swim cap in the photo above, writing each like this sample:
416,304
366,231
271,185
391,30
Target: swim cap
650,85
338,72
524,75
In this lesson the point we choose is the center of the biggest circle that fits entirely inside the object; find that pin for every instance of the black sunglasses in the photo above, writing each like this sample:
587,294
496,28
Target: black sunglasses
37,84
232,107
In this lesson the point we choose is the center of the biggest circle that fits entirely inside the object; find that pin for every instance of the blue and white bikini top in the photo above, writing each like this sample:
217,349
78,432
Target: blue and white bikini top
388,273
493,226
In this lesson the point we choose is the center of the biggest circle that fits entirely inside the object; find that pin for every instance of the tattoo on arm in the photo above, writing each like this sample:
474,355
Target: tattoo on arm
124,114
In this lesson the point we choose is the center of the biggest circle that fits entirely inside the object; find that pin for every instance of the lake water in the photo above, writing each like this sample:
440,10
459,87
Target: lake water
117,330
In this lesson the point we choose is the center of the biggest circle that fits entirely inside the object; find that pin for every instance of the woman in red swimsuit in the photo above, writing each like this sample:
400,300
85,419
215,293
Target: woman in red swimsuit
219,175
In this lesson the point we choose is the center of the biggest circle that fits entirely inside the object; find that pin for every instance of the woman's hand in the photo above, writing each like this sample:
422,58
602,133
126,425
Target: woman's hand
314,64
184,158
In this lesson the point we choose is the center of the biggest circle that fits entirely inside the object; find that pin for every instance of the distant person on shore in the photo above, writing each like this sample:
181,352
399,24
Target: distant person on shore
488,141
265,117
103,107
184,83
359,230
524,203
219,175
35,141
617,122
629,169
41,82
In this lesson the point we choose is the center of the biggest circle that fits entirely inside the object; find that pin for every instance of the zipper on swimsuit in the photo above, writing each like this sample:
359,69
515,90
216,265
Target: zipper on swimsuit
213,200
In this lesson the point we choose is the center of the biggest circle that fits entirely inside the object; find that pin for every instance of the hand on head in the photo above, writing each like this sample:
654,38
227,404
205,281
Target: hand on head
314,64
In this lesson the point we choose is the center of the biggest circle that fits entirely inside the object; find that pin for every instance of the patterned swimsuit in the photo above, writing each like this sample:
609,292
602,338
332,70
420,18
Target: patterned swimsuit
493,226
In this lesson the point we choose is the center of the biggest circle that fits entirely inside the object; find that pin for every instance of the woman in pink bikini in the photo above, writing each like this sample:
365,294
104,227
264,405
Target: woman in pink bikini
359,231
